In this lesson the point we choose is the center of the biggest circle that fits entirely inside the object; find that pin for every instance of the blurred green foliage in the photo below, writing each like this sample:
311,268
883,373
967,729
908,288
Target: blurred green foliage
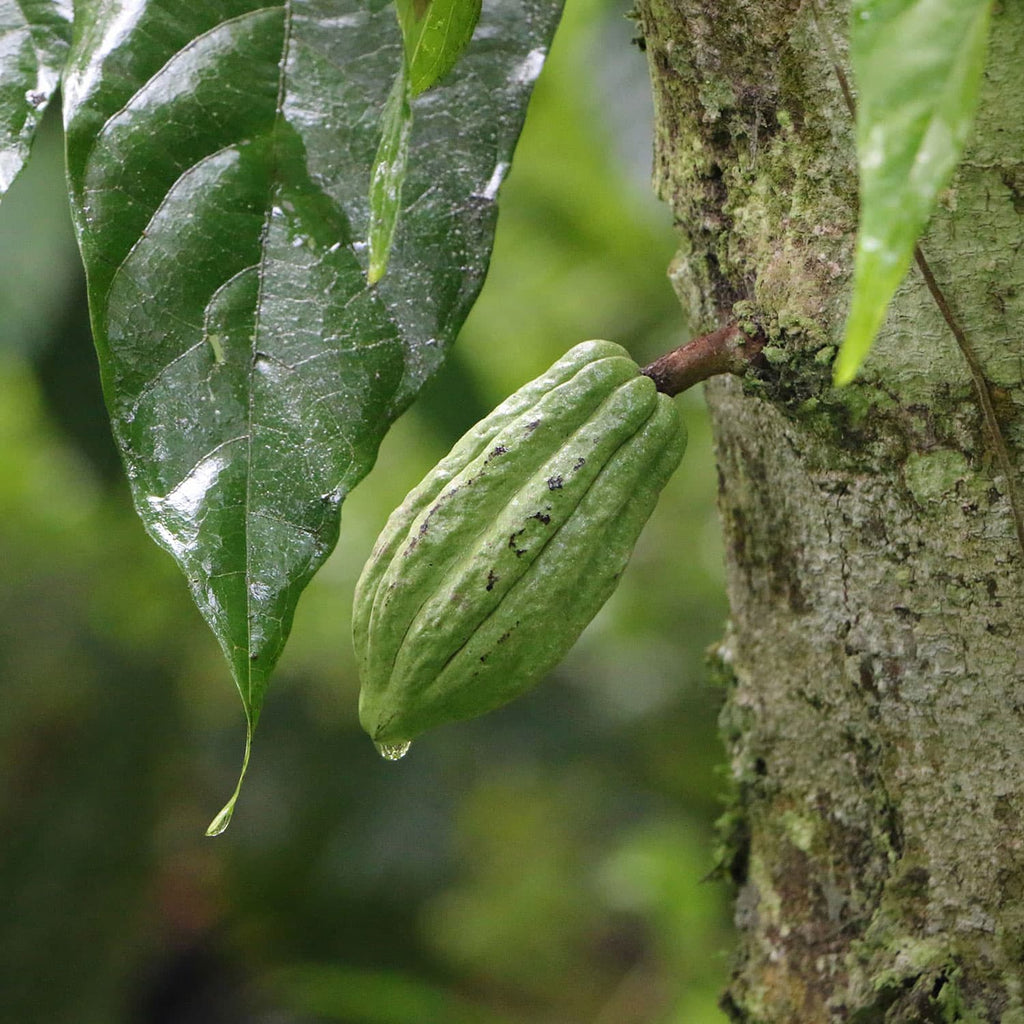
543,864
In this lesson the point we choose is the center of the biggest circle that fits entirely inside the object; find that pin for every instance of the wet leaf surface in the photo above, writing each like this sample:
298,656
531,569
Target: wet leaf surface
34,38
219,158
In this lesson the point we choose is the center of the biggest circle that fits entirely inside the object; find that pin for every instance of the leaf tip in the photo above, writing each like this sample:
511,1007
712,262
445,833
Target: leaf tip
224,815
223,819
865,318
845,370
376,271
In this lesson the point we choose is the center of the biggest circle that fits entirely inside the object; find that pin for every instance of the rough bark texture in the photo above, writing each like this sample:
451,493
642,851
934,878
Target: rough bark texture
875,661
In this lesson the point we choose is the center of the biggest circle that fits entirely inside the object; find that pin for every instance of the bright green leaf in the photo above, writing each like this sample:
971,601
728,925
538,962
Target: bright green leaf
219,158
35,35
918,67
388,175
435,33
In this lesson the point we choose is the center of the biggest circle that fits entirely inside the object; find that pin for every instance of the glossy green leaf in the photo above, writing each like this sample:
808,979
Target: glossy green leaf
918,67
435,34
388,174
34,38
219,158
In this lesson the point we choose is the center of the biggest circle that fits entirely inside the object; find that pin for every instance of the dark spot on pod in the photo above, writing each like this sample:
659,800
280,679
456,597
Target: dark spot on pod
411,546
579,463
542,517
554,483
491,579
512,543
483,657
424,524
531,427
452,493
495,452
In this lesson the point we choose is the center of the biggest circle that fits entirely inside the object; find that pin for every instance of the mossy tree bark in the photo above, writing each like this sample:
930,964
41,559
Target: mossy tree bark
875,716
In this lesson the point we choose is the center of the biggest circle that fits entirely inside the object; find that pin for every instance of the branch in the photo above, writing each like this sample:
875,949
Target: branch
726,350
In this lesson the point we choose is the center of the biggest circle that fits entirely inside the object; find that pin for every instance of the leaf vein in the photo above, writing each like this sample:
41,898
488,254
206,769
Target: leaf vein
185,174
190,45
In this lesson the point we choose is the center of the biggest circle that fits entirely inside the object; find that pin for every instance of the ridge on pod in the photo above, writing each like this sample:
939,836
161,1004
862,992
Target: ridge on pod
486,574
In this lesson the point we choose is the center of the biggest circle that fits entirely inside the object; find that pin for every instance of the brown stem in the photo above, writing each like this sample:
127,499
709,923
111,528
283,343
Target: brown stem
726,350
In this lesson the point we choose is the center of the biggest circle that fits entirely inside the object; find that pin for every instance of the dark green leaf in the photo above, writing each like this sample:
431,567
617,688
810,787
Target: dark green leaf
219,157
435,33
35,35
918,67
388,175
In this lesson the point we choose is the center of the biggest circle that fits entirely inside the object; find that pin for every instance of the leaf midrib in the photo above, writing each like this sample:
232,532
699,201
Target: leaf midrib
286,9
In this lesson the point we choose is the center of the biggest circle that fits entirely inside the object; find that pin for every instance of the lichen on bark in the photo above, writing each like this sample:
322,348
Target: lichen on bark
875,718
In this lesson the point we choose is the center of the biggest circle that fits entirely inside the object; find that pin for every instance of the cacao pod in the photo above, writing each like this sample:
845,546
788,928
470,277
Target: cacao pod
487,573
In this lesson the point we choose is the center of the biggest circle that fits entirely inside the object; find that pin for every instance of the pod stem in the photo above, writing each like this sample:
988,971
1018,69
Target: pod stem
728,349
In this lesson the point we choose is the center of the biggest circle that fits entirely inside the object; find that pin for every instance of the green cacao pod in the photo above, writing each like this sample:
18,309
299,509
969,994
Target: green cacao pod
486,574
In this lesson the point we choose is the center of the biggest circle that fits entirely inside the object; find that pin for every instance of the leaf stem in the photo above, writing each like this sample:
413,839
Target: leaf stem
725,350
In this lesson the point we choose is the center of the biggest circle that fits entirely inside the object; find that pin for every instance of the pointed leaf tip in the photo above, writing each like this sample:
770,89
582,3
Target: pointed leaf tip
223,819
864,321
224,815
843,375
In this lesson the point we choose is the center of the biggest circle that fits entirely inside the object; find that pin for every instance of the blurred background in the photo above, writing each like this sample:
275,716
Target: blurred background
546,864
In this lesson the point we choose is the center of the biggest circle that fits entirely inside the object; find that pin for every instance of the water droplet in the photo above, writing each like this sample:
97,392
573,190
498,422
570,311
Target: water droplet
393,751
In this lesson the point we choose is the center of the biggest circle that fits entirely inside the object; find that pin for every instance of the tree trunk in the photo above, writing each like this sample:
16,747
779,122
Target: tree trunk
875,658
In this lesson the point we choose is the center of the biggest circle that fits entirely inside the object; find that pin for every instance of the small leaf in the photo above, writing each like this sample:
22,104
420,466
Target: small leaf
219,161
388,175
435,33
918,66
35,45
